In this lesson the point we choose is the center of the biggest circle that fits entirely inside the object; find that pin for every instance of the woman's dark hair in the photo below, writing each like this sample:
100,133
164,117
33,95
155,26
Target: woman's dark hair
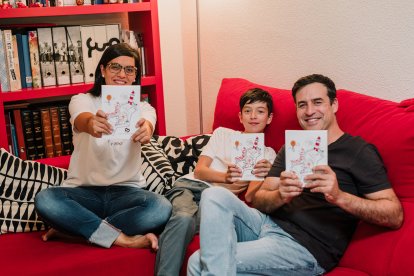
327,82
114,51
256,95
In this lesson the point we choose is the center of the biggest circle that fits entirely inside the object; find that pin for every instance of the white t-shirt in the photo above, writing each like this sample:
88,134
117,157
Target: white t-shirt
219,150
103,162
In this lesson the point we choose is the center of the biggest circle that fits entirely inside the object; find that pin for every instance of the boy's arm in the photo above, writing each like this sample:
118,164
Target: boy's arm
203,172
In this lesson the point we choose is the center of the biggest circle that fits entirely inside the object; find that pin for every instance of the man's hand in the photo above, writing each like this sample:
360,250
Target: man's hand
262,168
323,180
290,186
143,133
98,124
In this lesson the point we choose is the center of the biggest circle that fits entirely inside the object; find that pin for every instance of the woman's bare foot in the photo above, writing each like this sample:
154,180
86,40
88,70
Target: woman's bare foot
139,241
53,233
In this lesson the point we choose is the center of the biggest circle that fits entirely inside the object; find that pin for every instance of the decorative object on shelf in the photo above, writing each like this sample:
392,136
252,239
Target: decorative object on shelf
79,2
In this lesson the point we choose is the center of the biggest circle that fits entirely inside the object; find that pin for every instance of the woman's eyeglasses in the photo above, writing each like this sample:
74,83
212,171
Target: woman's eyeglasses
115,68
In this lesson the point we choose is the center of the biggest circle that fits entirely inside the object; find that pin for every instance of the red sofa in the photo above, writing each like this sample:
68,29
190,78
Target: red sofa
373,250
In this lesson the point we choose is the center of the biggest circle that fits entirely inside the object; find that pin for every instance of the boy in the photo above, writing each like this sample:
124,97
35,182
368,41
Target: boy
213,168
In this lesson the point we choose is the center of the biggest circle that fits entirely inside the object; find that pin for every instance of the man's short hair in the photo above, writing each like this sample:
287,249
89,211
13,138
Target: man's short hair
257,95
327,82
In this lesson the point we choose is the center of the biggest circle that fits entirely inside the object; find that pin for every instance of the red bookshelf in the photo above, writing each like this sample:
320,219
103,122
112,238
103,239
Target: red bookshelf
142,17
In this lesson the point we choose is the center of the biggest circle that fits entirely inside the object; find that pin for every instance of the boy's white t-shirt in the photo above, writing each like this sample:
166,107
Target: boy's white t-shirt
102,162
218,148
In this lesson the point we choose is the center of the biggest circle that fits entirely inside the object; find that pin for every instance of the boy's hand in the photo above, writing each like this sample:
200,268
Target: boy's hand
233,173
262,168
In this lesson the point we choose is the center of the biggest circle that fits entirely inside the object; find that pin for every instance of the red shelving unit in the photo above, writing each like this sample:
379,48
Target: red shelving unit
142,17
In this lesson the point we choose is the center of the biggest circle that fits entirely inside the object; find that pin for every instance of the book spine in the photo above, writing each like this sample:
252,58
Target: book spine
28,131
38,135
8,130
19,133
73,34
60,51
47,132
34,59
47,63
65,130
19,43
15,147
26,60
57,141
88,39
4,79
12,61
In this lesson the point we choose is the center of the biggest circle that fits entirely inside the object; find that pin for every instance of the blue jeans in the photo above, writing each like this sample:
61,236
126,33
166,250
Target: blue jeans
238,240
99,214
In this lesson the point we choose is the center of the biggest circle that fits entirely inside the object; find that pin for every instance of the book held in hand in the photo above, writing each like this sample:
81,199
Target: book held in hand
247,150
304,150
121,104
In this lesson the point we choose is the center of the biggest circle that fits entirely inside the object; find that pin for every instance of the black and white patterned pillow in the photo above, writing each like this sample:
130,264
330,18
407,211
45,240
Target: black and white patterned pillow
183,154
20,181
156,168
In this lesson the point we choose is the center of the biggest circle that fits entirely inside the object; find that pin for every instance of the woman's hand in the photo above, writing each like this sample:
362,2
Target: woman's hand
143,133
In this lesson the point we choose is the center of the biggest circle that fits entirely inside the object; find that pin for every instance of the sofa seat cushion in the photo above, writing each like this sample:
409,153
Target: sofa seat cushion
27,254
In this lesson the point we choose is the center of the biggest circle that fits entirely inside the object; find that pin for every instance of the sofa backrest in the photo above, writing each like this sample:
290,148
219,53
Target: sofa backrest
386,124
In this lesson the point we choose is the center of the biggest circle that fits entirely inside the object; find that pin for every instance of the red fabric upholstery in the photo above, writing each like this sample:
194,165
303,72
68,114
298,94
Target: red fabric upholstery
373,250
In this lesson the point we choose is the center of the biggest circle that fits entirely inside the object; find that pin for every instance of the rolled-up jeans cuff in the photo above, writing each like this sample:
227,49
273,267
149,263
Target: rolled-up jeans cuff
105,235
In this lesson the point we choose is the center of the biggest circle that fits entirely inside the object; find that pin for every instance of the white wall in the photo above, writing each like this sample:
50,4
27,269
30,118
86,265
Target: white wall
364,46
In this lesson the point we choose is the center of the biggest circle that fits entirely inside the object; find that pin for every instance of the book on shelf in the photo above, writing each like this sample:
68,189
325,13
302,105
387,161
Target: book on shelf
246,150
19,134
47,132
47,63
95,40
15,147
73,34
65,130
38,134
57,140
24,60
8,130
60,55
34,58
4,78
304,150
12,60
28,132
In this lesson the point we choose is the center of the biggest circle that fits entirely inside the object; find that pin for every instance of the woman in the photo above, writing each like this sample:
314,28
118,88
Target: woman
102,199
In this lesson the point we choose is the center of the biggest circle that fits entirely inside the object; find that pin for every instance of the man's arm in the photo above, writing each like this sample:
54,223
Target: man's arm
382,207
276,191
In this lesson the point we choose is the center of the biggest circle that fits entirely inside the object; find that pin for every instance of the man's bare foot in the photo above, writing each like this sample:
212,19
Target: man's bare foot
139,241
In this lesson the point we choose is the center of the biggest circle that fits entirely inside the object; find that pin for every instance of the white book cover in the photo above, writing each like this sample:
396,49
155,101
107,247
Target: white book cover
121,104
304,150
73,35
47,62
247,149
61,56
88,46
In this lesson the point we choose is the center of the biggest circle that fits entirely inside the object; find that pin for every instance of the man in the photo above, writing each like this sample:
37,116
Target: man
295,230
213,168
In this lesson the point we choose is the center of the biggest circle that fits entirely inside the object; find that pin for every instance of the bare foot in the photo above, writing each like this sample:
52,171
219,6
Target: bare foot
139,241
53,233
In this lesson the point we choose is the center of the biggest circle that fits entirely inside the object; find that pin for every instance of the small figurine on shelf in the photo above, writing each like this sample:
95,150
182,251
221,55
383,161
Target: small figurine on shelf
20,4
79,2
36,4
6,5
